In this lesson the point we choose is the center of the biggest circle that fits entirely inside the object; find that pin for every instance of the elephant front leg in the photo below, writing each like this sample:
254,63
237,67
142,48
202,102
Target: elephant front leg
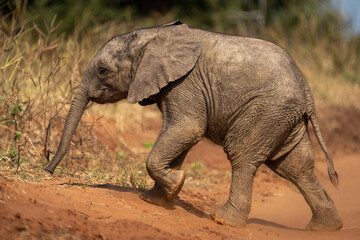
165,160
157,195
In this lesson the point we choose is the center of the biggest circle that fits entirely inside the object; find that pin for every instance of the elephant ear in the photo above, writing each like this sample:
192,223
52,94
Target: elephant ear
169,55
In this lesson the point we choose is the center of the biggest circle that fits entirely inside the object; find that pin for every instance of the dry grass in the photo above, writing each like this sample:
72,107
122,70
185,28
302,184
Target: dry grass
328,60
40,71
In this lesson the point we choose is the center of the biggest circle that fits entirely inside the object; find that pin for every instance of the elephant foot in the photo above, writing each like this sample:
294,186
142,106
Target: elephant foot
326,223
227,215
177,181
156,196
163,196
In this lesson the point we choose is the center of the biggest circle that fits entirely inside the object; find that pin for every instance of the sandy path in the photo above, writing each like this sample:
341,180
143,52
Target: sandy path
63,208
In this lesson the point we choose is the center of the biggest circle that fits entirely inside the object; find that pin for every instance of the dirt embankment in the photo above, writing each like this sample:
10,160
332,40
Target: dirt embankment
61,208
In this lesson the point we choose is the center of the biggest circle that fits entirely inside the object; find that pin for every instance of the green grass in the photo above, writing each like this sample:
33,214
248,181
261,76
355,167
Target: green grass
148,144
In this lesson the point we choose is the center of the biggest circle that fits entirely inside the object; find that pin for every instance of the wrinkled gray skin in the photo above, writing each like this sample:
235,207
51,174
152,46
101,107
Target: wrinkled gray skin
244,94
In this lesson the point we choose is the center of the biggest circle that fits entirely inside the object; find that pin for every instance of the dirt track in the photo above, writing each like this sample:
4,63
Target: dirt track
61,208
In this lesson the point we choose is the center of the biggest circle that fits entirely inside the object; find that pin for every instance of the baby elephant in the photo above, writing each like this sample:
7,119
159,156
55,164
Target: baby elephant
244,94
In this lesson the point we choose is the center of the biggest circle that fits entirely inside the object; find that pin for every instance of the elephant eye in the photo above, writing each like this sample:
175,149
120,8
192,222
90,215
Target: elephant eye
102,70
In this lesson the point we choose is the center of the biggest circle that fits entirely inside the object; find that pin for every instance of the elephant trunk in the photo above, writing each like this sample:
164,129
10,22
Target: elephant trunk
77,108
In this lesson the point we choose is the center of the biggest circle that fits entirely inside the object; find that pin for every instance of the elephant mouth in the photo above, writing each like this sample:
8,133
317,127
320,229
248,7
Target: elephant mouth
107,98
147,101
97,100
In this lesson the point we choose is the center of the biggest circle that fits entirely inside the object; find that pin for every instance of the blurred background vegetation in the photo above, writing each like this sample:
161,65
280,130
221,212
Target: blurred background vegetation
311,29
45,46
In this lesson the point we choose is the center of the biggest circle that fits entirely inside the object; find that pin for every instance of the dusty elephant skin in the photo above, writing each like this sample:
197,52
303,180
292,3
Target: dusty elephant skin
244,94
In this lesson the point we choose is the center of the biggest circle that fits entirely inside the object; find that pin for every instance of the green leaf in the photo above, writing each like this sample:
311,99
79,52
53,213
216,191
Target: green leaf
148,144
122,154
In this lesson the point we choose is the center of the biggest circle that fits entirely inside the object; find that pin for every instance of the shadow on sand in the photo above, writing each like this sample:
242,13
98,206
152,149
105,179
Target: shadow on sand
270,224
177,202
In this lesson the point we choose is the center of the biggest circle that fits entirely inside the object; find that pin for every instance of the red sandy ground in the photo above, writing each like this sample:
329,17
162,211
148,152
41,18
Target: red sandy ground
60,208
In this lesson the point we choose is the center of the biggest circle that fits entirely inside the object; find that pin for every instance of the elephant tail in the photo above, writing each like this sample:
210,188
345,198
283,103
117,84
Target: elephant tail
314,122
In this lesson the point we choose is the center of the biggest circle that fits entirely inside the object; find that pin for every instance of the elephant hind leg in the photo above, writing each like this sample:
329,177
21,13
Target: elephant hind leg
248,144
298,167
236,210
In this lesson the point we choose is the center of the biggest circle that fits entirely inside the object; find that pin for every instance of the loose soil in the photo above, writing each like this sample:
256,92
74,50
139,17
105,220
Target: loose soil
64,208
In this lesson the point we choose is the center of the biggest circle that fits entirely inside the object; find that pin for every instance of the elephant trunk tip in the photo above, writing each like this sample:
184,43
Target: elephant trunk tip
49,169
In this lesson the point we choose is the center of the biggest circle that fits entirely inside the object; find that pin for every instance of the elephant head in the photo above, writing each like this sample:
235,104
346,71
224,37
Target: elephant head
136,66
